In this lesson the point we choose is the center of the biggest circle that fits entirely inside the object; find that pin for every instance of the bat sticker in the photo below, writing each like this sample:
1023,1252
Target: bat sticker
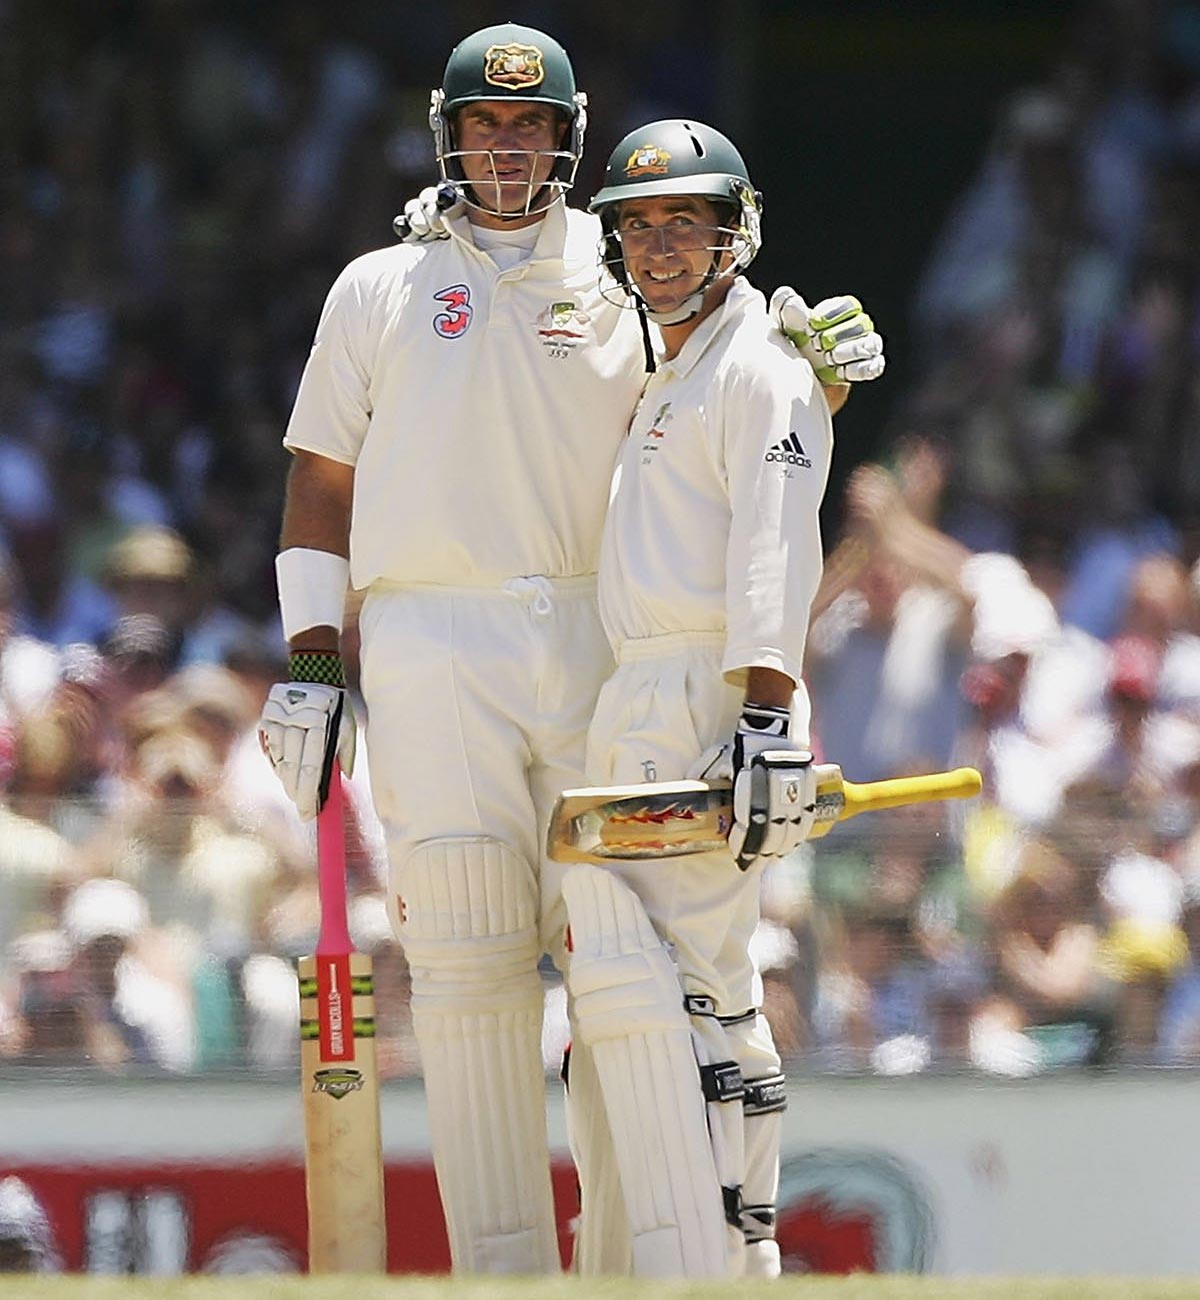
337,1081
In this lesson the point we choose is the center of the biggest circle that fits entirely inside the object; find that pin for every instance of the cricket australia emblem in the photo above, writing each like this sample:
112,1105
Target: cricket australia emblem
648,160
561,328
453,322
652,439
337,1081
513,66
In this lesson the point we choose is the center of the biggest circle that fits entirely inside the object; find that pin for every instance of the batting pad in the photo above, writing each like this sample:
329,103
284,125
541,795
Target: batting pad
468,922
629,1013
602,1244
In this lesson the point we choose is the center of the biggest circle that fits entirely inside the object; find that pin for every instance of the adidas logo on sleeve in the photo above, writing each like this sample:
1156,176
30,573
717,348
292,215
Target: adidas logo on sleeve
788,452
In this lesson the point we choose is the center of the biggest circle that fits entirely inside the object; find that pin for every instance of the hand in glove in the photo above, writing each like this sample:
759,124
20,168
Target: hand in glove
774,787
423,219
836,337
303,727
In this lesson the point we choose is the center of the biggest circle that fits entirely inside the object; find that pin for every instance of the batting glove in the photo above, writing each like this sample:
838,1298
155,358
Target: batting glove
774,788
423,220
303,727
836,337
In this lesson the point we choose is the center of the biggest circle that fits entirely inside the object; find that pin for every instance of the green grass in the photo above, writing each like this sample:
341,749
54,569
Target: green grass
858,1287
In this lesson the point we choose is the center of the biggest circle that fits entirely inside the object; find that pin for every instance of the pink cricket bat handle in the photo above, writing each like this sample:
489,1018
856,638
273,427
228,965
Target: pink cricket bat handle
334,935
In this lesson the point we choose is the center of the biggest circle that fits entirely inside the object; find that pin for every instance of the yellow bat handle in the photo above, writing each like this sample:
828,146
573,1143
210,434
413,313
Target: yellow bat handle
874,796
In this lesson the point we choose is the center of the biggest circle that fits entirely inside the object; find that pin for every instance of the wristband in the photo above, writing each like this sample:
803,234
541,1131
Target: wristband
312,589
321,666
767,719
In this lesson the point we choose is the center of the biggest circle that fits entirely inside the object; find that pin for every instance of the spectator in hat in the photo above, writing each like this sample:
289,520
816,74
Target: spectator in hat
138,652
26,1239
149,572
37,862
128,980
173,839
216,705
41,1020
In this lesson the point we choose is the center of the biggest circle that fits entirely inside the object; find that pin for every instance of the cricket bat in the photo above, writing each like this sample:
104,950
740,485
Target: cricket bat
343,1158
669,819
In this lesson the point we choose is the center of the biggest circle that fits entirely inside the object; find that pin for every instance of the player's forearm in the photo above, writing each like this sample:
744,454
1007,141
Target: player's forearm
836,395
316,510
768,686
316,516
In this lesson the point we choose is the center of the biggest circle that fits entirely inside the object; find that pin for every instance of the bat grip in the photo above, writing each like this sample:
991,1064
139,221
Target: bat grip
334,934
874,796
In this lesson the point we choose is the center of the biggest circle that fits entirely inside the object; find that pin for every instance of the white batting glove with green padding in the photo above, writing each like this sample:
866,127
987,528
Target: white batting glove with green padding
836,337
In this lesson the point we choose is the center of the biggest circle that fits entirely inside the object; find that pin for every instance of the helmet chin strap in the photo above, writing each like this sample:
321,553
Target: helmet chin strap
690,306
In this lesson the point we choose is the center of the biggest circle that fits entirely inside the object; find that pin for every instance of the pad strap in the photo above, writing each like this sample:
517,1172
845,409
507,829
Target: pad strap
765,1096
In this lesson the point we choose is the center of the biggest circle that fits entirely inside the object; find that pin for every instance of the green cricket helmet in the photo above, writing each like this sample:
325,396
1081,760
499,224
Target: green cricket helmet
677,157
509,62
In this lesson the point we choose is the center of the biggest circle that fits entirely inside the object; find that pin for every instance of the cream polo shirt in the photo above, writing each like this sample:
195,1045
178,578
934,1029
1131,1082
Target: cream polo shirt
482,409
713,518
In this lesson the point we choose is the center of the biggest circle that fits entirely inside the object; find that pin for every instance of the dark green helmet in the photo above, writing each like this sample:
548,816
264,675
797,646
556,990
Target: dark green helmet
509,61
674,157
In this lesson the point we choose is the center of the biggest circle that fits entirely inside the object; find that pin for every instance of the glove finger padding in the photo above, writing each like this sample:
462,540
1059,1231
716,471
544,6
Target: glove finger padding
774,803
304,725
791,313
831,313
836,337
423,219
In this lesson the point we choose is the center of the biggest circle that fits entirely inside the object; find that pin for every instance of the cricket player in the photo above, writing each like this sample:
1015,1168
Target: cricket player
710,559
453,431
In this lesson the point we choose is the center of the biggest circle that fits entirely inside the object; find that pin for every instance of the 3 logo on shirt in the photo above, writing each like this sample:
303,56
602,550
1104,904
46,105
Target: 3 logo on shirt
788,452
453,322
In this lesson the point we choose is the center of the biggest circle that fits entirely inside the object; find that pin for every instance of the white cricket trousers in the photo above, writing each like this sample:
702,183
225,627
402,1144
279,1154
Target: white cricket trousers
478,703
664,706
477,709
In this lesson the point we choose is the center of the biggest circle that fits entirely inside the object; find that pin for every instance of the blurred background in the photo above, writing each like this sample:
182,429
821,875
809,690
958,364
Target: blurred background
1012,527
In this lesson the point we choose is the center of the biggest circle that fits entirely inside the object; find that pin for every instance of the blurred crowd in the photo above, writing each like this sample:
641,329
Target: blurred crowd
1012,586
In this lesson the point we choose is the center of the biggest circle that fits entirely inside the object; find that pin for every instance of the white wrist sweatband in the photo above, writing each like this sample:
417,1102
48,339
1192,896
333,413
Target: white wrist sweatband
312,589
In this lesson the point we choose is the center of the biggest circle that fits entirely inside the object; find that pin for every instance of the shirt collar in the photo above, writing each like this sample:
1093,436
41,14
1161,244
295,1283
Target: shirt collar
739,295
551,240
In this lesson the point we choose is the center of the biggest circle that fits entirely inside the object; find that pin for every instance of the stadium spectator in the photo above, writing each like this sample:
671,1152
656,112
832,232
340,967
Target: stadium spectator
1050,1005
891,624
1178,1041
26,1238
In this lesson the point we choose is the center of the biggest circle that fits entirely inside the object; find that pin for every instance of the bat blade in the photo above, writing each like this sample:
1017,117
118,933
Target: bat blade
343,1162
676,818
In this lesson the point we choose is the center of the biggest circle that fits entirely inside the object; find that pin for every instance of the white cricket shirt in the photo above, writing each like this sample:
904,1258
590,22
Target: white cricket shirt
713,519
481,408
